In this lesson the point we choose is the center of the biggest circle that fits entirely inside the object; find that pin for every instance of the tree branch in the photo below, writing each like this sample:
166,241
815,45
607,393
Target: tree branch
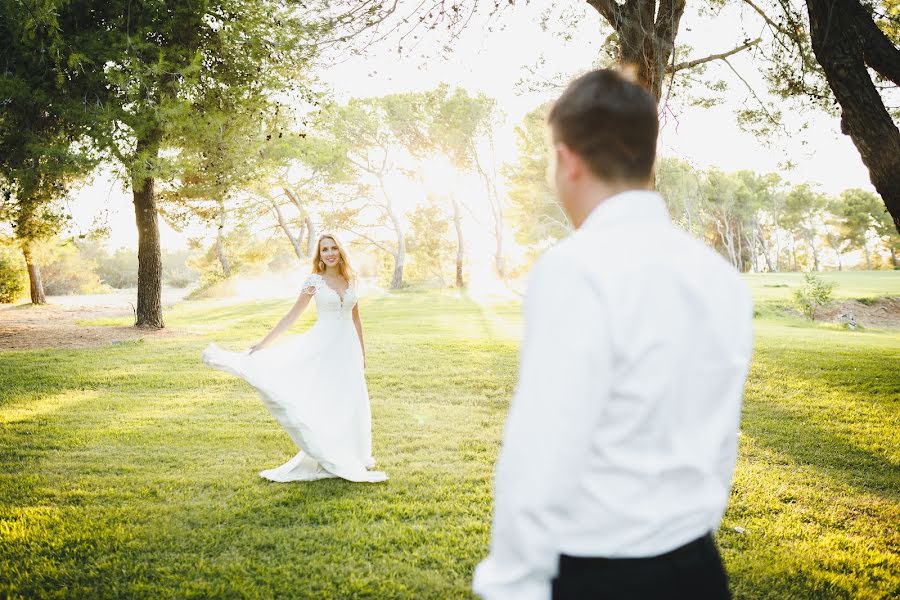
752,91
667,19
609,9
371,241
771,23
699,61
878,50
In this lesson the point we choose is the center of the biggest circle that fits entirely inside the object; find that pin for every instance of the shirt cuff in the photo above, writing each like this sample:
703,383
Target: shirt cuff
494,582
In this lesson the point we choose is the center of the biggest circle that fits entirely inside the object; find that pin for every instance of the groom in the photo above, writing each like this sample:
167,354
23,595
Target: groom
622,437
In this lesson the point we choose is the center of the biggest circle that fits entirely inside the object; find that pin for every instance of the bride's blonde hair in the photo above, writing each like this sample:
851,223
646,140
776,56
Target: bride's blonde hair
344,267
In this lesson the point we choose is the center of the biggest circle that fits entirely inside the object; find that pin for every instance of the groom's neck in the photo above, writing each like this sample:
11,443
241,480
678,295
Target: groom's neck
597,192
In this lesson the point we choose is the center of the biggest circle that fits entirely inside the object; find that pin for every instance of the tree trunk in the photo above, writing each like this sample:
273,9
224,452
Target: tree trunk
220,241
845,40
646,40
815,253
727,237
764,248
282,222
400,254
34,276
301,237
497,214
307,222
777,250
460,246
868,257
835,245
310,237
149,292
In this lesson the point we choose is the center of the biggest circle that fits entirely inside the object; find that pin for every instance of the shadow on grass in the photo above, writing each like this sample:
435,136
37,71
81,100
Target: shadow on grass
808,443
817,408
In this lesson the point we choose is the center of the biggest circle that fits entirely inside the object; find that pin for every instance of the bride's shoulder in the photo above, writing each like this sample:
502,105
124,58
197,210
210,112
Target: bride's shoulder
312,283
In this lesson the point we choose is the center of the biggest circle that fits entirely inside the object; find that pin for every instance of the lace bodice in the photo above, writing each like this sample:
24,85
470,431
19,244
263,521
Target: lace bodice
329,302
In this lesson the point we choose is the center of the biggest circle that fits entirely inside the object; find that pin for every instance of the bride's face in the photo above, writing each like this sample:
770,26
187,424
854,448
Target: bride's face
329,252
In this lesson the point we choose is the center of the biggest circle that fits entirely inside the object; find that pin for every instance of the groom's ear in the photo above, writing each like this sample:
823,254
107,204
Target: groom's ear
568,163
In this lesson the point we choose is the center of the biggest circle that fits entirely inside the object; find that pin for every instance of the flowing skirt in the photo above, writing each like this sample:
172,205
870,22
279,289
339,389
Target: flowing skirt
314,385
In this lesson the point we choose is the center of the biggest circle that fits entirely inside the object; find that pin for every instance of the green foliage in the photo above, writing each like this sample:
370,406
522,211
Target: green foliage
856,211
429,247
41,154
246,254
680,185
65,270
13,278
535,213
119,268
886,230
759,222
815,293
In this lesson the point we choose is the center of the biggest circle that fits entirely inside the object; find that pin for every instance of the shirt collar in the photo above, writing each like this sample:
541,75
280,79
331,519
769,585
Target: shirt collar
631,206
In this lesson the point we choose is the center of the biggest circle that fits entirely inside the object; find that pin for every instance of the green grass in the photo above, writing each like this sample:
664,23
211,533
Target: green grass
774,292
779,287
130,470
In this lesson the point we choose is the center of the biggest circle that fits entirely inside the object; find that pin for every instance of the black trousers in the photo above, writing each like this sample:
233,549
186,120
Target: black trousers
693,571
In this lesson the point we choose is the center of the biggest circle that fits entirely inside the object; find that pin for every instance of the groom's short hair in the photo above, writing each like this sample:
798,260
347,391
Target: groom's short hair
611,123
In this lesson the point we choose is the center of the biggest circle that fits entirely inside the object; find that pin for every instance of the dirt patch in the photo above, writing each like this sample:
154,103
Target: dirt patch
27,327
884,312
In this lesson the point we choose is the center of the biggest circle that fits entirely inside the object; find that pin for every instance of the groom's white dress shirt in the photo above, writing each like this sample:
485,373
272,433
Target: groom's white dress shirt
621,438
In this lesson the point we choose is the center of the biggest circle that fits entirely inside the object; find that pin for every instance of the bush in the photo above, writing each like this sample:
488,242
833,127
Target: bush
815,293
13,277
65,271
212,285
119,270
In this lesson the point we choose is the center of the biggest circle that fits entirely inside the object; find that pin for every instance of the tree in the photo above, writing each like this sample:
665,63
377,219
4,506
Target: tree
304,173
847,43
822,51
140,66
39,157
462,128
361,134
834,231
802,208
220,158
429,246
645,32
761,201
856,213
425,124
534,210
680,186
887,232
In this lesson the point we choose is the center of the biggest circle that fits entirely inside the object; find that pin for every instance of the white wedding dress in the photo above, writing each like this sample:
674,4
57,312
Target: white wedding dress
314,385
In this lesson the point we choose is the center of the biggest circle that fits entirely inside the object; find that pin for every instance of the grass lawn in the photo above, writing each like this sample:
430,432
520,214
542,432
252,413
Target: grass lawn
130,470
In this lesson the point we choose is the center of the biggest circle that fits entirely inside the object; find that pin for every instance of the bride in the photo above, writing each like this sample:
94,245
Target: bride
314,384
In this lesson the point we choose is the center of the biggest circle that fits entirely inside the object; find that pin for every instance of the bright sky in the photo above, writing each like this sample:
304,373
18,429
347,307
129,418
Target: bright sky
494,62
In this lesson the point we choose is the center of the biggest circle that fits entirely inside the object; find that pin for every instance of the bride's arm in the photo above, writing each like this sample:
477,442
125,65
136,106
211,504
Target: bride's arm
285,322
358,323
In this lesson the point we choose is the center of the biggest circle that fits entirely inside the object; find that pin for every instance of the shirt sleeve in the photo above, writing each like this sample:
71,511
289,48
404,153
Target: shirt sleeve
563,387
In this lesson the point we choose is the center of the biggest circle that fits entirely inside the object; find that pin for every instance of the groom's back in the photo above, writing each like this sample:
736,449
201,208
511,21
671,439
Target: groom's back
678,321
